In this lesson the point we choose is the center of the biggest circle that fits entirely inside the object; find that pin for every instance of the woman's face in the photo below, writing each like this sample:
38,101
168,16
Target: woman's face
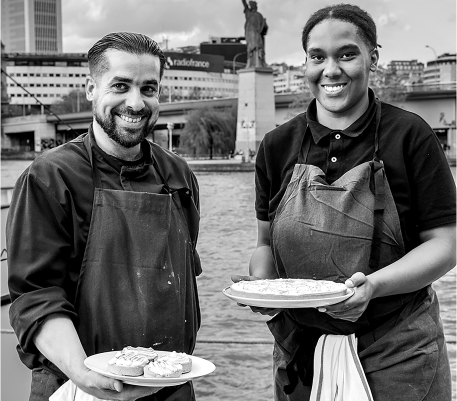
338,67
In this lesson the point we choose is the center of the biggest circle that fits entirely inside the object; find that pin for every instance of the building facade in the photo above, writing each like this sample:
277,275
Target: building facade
442,70
48,78
32,26
410,71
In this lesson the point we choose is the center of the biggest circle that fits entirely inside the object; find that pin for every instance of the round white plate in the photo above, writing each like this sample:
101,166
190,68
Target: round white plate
200,367
286,303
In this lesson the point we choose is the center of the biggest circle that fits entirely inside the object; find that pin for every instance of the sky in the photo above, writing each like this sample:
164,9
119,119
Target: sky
405,27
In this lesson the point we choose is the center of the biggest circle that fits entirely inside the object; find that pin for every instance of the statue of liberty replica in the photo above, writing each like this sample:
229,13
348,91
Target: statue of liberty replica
255,29
256,102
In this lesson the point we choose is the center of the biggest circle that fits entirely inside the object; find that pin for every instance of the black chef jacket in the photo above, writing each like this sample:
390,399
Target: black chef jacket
48,223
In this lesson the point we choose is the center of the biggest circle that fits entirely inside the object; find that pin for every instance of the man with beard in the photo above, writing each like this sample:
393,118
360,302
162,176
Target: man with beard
101,236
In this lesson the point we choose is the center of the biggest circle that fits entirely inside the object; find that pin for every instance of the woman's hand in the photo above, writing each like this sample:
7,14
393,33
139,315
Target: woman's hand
255,309
352,308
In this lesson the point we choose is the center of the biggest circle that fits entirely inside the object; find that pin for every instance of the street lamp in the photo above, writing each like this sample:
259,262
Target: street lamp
234,58
170,127
433,50
247,125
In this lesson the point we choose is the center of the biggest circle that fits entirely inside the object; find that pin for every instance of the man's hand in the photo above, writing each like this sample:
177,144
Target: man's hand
106,388
255,309
352,308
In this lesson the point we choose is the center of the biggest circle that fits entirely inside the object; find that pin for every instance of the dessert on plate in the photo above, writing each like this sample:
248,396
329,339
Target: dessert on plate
161,368
131,361
180,358
288,289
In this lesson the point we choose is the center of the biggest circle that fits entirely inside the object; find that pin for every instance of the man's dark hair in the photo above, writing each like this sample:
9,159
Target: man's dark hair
134,43
366,27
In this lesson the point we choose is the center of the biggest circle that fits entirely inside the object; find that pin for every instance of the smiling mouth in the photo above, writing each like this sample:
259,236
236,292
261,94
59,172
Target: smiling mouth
130,119
335,88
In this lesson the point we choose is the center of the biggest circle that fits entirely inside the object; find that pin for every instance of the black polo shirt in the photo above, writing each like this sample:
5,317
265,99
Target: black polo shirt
49,219
416,168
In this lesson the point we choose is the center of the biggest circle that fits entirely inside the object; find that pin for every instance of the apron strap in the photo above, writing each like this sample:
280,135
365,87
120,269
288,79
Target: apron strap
378,178
95,174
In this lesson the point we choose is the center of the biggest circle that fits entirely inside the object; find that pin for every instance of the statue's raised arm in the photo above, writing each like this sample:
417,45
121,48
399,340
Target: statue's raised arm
255,28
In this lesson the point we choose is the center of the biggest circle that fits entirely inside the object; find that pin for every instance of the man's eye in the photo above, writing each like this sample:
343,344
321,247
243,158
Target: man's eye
151,90
120,87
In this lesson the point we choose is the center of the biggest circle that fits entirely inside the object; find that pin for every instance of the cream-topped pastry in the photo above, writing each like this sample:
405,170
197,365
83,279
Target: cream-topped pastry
287,288
131,361
162,368
178,358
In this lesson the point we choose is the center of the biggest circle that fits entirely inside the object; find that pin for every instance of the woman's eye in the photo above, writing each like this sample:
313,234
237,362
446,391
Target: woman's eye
316,57
348,56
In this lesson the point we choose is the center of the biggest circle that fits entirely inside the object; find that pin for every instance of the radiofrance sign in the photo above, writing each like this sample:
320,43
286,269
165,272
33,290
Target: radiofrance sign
195,62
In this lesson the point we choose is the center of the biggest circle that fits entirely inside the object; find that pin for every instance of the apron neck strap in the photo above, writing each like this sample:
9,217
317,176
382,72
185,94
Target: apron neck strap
95,174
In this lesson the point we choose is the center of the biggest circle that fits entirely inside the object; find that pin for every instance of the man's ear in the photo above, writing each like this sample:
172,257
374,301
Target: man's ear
90,88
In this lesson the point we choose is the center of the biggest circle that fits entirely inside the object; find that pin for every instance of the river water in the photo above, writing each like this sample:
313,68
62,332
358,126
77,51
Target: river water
236,340
227,239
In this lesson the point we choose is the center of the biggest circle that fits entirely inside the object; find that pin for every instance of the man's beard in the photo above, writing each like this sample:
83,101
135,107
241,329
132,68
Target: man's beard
126,137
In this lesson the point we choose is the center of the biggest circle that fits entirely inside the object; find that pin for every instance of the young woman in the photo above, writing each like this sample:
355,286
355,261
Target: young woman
357,191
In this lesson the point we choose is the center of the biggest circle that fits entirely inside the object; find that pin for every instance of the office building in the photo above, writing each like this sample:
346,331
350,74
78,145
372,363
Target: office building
32,26
410,71
442,70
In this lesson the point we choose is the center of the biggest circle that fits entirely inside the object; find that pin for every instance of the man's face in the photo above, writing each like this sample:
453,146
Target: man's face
338,67
125,98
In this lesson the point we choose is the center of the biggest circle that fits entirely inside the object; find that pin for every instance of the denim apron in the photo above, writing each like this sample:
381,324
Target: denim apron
327,231
137,283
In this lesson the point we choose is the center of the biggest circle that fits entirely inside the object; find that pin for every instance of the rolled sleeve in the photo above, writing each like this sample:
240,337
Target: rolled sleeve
39,248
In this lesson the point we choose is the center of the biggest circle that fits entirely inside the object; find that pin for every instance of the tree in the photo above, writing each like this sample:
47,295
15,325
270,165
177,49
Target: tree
388,86
74,102
209,131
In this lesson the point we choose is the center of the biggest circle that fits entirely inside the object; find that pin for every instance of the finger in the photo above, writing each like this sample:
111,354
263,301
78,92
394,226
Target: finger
236,277
356,279
110,384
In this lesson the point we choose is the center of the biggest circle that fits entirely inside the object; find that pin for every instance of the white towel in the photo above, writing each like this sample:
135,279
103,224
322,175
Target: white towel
338,374
70,392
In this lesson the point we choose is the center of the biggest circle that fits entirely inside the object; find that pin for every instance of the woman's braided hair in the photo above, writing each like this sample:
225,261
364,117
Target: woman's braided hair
366,27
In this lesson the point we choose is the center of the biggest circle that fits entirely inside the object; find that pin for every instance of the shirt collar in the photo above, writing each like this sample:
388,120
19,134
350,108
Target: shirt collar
116,163
320,131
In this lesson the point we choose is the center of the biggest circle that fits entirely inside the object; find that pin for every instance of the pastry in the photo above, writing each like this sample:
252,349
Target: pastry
288,289
162,368
178,357
131,361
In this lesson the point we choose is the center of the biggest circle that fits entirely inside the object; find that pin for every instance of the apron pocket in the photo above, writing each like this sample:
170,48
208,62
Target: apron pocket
404,361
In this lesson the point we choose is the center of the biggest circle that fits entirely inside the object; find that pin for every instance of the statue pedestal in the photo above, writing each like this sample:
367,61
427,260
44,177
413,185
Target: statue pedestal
256,109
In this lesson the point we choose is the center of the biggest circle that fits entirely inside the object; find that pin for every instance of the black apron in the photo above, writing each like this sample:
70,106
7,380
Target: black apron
137,282
330,232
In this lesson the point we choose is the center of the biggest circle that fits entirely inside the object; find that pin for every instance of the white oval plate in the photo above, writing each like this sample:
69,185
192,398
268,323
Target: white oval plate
287,303
200,367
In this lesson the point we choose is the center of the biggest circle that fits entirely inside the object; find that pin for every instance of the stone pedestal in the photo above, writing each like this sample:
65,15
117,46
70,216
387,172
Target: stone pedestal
256,109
